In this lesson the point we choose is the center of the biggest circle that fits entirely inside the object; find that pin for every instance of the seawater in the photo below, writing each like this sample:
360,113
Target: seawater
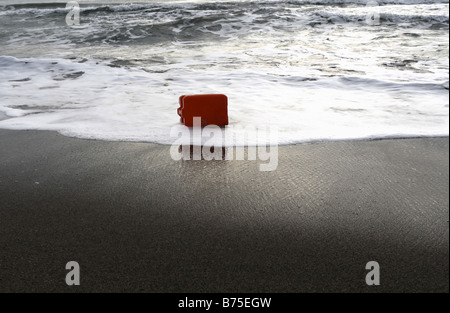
314,70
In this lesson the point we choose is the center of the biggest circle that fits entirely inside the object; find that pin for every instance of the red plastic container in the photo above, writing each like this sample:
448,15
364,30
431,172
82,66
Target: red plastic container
212,109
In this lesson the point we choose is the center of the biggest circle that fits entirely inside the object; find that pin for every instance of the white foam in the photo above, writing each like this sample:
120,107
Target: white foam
130,104
314,72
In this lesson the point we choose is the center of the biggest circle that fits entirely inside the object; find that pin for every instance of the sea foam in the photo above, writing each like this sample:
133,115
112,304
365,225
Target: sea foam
314,70
96,101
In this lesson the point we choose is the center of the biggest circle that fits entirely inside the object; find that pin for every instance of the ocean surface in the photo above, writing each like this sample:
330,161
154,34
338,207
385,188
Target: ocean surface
313,70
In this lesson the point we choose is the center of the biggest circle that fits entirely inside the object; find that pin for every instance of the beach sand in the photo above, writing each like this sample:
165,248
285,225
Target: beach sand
137,221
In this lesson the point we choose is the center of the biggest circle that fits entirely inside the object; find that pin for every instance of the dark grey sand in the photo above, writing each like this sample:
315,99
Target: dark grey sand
136,220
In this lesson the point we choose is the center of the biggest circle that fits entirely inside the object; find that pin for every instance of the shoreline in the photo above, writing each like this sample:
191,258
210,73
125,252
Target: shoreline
137,221
3,116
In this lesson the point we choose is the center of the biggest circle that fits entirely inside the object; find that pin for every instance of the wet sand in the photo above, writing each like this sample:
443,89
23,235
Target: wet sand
137,221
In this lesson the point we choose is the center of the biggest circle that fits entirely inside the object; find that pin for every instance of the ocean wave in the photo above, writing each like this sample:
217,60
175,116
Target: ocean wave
98,6
151,23
317,72
90,99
